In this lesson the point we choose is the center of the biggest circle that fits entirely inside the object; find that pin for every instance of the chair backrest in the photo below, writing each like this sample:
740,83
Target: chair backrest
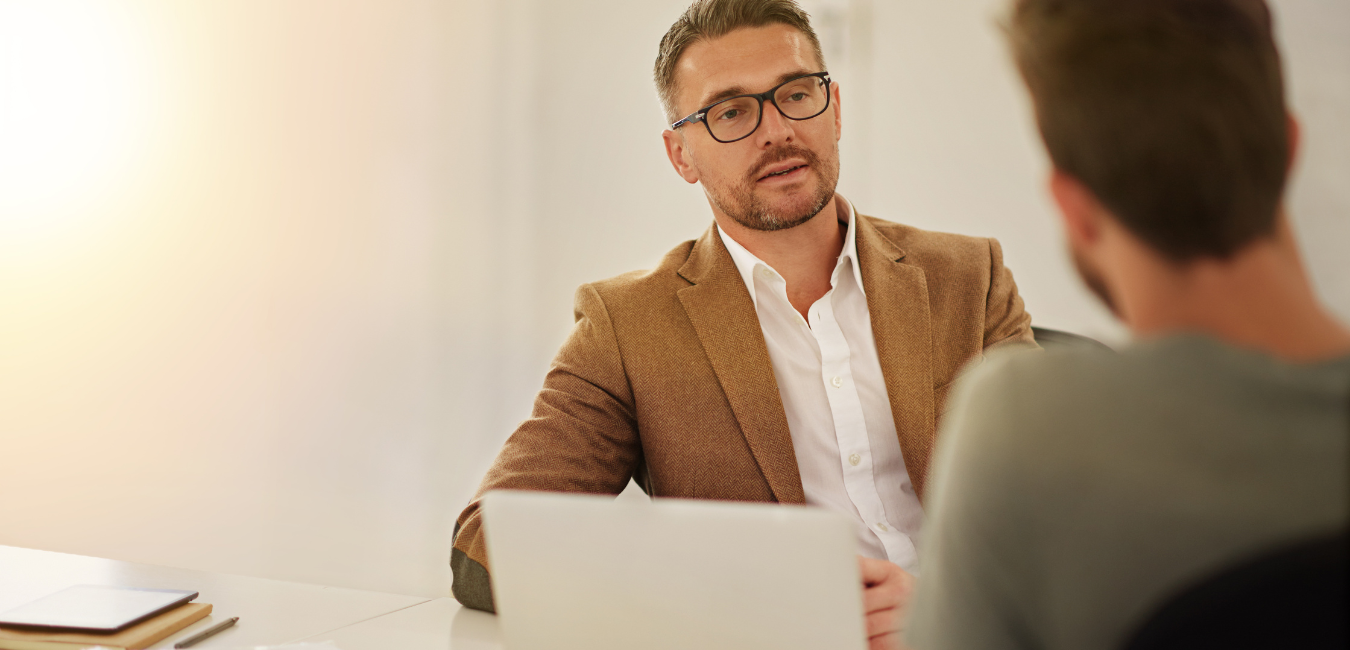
1292,598
1048,338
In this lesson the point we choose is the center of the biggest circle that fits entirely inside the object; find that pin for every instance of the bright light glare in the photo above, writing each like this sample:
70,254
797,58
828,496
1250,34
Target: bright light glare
72,110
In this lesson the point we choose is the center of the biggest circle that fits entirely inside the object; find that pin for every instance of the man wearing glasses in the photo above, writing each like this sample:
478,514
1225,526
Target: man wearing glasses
797,352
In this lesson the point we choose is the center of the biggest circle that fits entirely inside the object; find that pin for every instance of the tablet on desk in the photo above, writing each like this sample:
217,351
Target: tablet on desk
95,608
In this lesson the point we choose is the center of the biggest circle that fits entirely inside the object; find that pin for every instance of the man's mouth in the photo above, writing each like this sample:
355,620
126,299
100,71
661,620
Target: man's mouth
786,171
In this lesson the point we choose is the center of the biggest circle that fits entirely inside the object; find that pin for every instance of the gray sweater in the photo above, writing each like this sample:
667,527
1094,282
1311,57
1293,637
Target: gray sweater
1075,491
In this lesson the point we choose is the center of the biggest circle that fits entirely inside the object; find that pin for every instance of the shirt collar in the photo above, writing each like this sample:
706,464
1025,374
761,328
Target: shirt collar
747,262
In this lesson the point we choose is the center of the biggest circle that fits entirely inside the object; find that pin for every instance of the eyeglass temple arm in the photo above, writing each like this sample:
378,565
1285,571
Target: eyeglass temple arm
690,119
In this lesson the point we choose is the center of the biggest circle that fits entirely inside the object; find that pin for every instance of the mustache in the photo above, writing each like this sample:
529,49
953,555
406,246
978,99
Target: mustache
779,154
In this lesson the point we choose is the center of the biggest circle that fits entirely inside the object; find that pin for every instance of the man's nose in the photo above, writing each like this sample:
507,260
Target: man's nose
773,127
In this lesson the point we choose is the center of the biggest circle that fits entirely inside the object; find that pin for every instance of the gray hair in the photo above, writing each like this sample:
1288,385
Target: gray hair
713,18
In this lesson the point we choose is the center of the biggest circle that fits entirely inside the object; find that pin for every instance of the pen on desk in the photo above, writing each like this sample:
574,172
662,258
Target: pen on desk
205,634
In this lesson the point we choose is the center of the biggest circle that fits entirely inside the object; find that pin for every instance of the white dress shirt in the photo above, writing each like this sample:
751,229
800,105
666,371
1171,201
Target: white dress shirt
838,412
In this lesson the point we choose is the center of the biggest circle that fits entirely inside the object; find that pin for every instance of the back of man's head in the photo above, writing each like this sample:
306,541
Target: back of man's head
1170,111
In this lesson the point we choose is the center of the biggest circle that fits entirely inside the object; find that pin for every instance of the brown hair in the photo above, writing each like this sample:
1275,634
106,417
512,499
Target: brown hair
714,18
1170,111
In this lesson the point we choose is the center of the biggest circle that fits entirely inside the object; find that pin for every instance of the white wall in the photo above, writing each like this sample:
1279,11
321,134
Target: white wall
276,308
269,348
953,145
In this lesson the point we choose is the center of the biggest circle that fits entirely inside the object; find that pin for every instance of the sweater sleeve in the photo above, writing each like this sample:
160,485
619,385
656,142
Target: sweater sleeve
971,583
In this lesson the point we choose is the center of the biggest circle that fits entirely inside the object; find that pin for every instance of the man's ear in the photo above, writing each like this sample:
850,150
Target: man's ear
1295,137
679,156
1078,206
838,114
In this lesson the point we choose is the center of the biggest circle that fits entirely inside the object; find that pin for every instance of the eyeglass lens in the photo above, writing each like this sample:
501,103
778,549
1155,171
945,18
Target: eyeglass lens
737,117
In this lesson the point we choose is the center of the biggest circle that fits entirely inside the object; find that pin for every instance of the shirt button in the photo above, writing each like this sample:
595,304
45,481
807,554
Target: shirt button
883,527
854,460
837,381
765,273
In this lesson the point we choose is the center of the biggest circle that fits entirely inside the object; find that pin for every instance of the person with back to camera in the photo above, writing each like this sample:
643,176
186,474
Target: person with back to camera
798,352
1077,494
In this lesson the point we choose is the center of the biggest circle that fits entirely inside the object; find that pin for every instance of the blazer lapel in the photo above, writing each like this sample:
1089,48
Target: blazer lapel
897,300
728,327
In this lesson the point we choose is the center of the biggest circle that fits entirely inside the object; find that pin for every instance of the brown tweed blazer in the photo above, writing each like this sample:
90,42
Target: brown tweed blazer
666,377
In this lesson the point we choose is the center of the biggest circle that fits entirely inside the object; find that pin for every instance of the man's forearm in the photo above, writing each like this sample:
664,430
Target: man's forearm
471,586
581,437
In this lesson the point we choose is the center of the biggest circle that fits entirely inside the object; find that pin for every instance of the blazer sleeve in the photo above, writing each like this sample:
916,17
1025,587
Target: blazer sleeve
1006,321
581,437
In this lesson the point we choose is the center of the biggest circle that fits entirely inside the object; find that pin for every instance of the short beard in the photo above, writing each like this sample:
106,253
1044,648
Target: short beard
1094,280
742,204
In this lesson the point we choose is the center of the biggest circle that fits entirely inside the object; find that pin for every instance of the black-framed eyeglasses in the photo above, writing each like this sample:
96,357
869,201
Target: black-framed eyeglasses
735,118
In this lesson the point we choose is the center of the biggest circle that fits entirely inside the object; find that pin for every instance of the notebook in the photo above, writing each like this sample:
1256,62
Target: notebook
134,637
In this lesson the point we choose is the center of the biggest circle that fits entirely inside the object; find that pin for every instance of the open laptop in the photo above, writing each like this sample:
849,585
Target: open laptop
576,572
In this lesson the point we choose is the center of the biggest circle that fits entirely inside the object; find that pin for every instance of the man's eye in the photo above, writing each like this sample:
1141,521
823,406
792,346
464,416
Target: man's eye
730,114
796,97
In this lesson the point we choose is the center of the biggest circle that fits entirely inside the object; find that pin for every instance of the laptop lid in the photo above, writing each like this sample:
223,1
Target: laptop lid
589,573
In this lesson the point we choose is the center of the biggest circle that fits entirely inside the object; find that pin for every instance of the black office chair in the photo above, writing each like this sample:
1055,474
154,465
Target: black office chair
1293,598
1050,339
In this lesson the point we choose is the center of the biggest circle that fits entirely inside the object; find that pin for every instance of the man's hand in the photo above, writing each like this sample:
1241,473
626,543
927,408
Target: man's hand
886,590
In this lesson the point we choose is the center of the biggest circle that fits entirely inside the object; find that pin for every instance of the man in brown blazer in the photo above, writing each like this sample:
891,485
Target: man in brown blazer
797,352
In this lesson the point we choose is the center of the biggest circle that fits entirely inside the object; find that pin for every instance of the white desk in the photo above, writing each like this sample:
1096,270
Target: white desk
440,624
271,612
